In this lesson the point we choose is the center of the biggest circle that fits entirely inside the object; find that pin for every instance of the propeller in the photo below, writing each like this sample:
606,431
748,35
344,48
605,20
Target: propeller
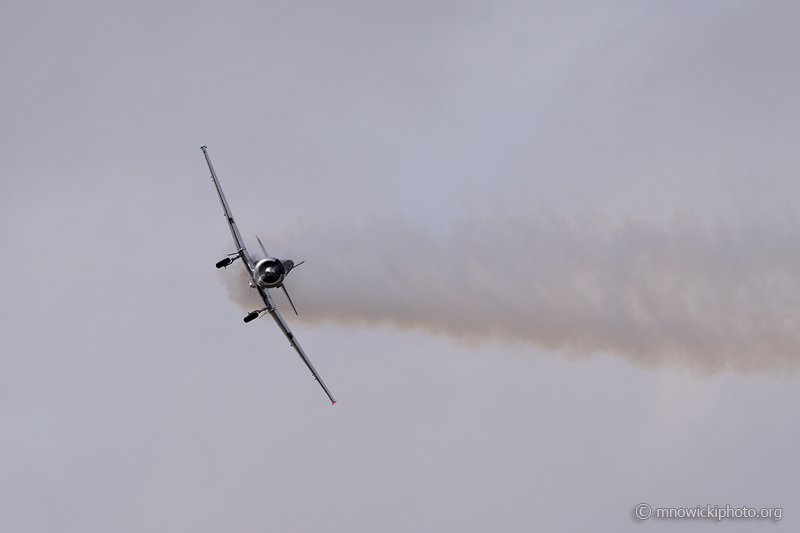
288,297
266,255
282,285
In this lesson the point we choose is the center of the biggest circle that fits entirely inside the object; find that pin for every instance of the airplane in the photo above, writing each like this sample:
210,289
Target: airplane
267,273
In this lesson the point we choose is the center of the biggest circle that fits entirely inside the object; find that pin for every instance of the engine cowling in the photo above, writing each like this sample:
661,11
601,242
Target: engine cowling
270,272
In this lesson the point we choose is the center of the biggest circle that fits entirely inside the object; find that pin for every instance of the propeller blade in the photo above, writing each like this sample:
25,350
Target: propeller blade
262,247
288,297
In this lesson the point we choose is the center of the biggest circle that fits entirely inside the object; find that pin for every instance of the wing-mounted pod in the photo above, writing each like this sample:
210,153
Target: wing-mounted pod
252,315
228,260
224,263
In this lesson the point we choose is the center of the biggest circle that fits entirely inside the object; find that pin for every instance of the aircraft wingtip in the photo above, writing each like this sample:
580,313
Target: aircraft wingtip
334,403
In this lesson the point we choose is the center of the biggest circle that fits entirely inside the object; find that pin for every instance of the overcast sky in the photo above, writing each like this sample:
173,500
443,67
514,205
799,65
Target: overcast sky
553,265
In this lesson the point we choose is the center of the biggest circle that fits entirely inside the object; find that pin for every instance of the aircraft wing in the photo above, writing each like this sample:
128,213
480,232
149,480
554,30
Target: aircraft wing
237,237
271,309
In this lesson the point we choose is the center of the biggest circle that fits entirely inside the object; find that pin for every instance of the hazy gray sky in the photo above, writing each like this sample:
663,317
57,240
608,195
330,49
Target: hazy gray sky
552,264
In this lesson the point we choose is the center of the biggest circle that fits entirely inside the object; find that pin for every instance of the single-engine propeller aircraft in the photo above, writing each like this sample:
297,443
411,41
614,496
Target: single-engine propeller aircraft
267,273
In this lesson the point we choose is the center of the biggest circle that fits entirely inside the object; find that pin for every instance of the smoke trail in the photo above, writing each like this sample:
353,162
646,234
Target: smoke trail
689,295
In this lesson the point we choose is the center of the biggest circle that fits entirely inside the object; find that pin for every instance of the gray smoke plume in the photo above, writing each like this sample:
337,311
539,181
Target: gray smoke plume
690,295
